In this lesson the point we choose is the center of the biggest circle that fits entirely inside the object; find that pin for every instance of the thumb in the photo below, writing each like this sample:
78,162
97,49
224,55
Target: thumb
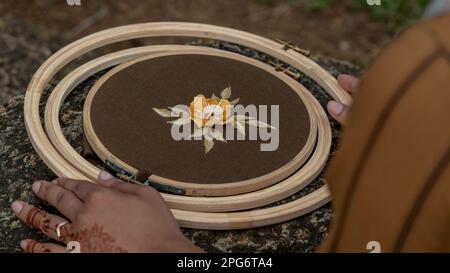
105,179
338,111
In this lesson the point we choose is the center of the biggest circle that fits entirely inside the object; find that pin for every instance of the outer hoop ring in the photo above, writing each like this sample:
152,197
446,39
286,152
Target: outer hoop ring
201,220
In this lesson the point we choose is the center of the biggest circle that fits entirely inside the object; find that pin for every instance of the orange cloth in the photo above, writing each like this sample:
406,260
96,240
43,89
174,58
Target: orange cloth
390,180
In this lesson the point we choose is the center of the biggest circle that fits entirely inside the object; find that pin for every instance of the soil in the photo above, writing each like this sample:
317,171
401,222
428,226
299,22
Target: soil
340,31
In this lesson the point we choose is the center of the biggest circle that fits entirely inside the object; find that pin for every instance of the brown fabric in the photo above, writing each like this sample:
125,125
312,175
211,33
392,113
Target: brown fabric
124,121
390,180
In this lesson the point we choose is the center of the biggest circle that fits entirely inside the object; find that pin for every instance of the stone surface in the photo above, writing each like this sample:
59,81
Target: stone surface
20,166
23,48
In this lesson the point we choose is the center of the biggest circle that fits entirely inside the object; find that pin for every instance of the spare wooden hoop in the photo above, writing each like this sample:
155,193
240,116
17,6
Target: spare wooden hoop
186,218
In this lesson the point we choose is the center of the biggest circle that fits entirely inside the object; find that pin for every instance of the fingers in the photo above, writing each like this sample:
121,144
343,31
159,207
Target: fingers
338,111
33,246
43,221
348,83
82,189
63,200
107,180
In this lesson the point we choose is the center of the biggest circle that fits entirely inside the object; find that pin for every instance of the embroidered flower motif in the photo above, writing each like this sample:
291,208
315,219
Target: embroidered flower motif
209,112
206,113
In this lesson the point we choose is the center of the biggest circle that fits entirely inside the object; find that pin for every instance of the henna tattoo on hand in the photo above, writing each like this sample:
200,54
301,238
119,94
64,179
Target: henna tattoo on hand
39,220
95,239
36,247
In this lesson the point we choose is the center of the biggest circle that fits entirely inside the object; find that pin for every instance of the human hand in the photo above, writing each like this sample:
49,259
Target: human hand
337,110
112,216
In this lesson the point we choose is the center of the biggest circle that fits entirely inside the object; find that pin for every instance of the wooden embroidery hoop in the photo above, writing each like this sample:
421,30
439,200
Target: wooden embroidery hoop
193,219
196,189
205,204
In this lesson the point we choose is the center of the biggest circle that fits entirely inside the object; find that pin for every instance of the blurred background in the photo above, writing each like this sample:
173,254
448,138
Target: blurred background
350,30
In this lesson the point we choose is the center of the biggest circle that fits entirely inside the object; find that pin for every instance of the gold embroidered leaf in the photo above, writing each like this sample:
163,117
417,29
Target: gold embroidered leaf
178,112
207,135
217,135
234,102
239,126
215,97
163,112
209,144
257,123
226,93
242,117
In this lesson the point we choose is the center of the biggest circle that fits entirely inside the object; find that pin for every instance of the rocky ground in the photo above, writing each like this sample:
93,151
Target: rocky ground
338,29
20,165
23,47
